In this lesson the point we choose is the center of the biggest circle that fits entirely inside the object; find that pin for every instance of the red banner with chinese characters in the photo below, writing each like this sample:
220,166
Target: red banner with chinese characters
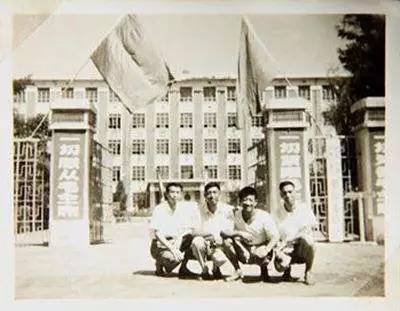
378,168
68,175
290,159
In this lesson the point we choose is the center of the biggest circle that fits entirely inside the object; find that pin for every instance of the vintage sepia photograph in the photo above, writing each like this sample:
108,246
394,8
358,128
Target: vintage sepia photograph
193,155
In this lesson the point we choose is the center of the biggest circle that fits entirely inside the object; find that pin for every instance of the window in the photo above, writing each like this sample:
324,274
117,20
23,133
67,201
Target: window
113,97
232,119
280,91
116,173
138,146
67,92
327,92
163,172
257,121
187,172
231,93
137,172
304,91
211,171
210,145
138,120
210,119
139,200
91,94
234,172
115,146
186,119
185,94
114,121
20,97
162,120
43,95
162,146
186,146
233,145
209,93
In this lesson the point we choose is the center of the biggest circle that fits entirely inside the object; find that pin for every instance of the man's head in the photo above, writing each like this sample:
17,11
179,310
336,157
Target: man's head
288,194
173,193
248,198
212,192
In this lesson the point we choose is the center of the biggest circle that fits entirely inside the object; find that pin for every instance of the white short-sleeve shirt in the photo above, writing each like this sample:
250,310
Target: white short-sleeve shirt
262,228
222,219
290,224
174,223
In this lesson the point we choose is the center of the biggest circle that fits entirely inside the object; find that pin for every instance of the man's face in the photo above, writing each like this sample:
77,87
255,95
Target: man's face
249,203
288,196
212,196
174,194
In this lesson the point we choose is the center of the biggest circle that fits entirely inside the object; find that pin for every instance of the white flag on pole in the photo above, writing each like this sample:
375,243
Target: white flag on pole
256,71
131,65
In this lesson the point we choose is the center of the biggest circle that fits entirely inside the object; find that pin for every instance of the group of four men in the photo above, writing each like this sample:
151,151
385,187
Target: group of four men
217,232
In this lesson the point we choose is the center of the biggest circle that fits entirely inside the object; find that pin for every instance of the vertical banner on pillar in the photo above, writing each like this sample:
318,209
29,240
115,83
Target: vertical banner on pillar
68,176
378,169
290,159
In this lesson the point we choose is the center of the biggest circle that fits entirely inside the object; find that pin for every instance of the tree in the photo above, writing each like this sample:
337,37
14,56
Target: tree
19,85
364,57
120,196
24,127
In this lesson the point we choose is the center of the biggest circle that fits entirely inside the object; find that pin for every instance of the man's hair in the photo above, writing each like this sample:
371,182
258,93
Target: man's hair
285,183
210,185
247,191
173,184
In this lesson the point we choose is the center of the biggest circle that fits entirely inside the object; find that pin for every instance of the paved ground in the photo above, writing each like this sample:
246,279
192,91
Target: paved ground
122,268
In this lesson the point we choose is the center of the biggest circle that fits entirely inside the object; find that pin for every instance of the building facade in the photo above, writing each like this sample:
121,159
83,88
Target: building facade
190,136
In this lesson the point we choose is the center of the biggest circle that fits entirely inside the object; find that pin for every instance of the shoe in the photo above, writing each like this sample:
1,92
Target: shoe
265,275
286,277
236,276
205,275
159,270
217,274
185,273
309,279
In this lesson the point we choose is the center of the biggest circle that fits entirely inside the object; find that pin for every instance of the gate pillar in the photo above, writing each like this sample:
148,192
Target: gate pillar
369,116
286,135
336,223
72,124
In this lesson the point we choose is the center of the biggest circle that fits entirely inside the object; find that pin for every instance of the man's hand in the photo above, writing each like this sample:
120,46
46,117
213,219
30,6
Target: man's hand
177,254
247,238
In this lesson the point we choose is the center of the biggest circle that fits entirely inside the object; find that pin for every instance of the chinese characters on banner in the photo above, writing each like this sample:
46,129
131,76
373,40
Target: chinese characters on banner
68,181
378,170
291,158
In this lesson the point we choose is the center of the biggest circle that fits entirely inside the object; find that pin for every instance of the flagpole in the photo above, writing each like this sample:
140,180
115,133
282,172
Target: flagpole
250,26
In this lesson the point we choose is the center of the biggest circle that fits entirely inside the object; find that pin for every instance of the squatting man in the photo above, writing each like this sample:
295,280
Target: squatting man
217,232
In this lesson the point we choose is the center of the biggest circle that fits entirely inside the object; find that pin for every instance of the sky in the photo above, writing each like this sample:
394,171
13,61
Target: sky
192,45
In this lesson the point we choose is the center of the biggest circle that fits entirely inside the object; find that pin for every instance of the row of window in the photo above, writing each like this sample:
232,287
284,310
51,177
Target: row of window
186,93
186,120
186,146
280,91
91,94
44,94
186,172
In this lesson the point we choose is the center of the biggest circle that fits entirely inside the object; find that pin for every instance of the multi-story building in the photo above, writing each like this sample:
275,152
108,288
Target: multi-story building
190,135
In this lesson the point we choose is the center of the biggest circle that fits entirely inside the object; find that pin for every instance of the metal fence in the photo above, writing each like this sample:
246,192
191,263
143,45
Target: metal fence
100,190
31,192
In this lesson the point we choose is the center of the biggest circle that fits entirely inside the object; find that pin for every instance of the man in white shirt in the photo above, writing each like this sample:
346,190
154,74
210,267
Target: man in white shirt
295,223
253,238
171,225
212,218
